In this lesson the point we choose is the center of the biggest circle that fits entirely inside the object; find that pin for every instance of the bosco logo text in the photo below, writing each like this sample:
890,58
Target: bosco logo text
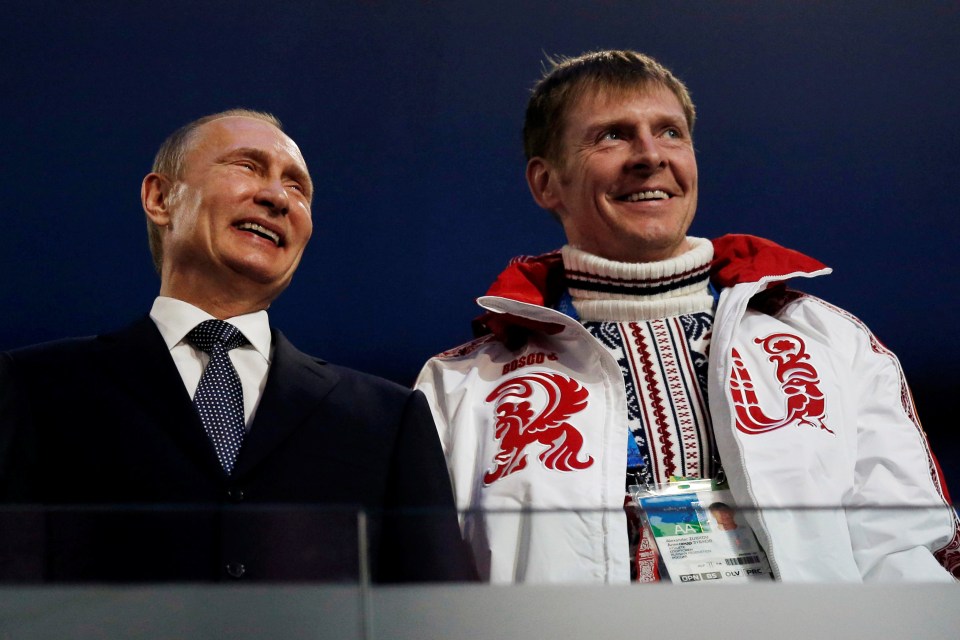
537,357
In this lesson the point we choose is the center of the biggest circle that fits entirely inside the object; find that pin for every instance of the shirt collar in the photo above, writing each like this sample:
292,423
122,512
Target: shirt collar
176,318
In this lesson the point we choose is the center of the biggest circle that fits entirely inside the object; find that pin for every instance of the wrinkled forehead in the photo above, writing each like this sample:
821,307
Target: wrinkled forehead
236,132
593,98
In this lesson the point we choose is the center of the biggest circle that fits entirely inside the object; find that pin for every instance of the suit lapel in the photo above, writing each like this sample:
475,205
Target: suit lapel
295,386
138,360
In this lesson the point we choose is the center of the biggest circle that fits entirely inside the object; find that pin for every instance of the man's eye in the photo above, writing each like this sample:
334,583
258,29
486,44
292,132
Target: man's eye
612,135
247,165
296,187
673,133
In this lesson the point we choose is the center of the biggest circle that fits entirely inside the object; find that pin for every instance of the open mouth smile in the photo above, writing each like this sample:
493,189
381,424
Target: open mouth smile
637,196
261,231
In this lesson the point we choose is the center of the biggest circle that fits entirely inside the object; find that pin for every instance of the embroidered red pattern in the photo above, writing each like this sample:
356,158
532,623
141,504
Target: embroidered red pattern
799,381
650,383
667,333
519,425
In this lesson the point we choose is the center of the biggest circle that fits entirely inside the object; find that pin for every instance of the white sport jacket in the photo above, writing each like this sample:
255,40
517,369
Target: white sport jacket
814,424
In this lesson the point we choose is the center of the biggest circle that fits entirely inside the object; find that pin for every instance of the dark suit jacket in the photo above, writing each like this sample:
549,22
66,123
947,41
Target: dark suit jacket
87,423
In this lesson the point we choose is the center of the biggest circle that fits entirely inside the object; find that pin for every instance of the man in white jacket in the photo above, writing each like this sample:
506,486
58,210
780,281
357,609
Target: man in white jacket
637,347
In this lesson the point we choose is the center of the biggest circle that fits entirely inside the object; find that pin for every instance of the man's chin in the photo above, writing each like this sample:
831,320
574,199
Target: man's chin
654,245
256,275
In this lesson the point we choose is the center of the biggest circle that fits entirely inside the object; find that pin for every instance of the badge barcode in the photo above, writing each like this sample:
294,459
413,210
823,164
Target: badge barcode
751,559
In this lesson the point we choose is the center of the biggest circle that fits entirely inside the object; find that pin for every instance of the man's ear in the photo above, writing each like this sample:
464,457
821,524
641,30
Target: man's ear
543,180
154,196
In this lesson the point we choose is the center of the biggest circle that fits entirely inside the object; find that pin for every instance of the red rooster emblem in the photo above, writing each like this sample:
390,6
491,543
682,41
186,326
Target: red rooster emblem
799,381
519,424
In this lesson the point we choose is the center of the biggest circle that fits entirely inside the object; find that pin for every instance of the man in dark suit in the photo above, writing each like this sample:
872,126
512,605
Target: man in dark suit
198,443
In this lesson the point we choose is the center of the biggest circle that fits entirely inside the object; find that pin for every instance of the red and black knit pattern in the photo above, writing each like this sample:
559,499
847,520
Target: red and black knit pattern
580,281
664,367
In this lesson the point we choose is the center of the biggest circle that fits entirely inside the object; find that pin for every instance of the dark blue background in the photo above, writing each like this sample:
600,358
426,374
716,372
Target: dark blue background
829,127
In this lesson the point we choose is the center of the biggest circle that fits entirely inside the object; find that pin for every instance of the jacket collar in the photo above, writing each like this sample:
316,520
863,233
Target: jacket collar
154,385
296,384
539,280
741,258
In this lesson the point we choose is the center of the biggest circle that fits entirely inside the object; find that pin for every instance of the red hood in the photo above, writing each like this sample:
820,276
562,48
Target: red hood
534,279
739,258
539,280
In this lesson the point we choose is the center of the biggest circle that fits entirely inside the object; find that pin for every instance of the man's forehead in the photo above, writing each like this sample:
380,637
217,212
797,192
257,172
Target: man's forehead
597,100
238,131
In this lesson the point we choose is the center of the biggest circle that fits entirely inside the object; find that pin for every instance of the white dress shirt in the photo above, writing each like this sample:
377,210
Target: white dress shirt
176,318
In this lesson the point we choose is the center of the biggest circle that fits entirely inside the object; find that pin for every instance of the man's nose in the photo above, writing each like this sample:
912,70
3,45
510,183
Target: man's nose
273,195
645,152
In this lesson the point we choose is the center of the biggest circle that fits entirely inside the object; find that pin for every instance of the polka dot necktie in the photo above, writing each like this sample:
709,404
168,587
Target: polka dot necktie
219,397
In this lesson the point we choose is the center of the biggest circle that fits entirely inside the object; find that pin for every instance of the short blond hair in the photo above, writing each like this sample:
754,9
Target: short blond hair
569,79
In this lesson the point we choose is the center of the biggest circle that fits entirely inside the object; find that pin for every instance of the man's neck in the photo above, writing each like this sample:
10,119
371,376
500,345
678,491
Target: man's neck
219,302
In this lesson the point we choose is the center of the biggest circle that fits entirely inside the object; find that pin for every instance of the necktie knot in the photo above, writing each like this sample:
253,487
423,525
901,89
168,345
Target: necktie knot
216,335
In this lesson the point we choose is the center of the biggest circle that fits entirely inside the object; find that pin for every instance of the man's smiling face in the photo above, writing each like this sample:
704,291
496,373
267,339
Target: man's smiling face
238,219
625,187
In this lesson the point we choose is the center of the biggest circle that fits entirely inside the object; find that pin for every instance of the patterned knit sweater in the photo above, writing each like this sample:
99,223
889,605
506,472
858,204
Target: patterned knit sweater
656,320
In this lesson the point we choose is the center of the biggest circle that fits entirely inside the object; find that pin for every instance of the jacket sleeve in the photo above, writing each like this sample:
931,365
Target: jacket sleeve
446,387
422,540
430,384
902,526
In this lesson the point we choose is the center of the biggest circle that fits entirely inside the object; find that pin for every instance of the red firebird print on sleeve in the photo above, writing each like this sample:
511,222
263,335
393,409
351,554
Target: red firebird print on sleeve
519,425
799,382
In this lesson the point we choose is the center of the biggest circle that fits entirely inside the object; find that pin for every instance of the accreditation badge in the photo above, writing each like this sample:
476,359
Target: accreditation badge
700,535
